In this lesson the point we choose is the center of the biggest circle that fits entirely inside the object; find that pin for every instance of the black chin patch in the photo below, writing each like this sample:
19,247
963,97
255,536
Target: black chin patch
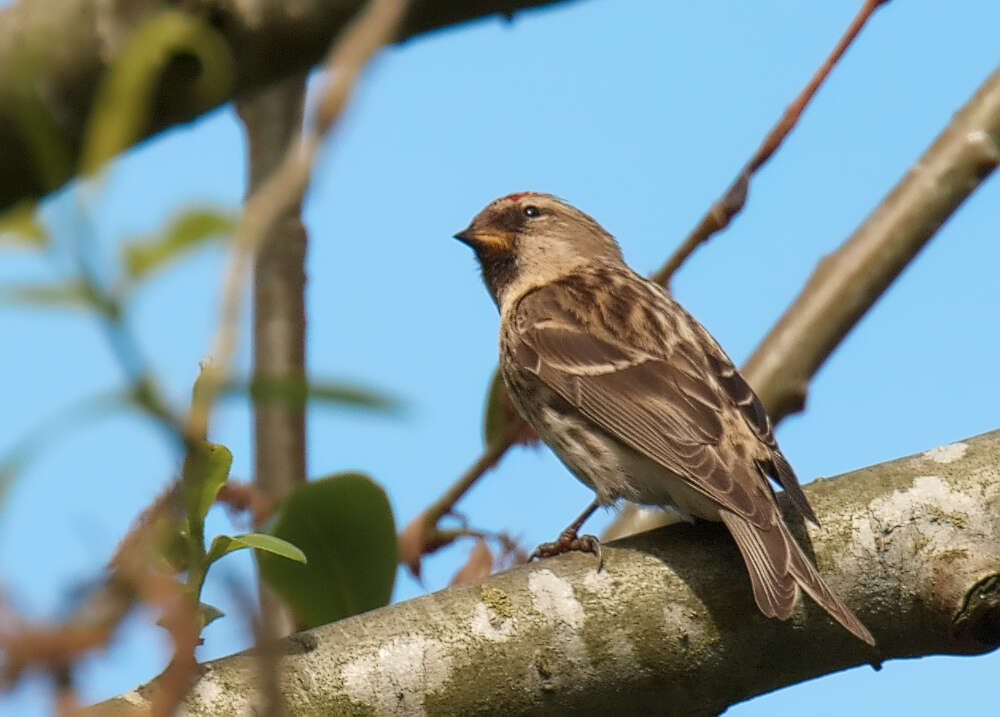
498,271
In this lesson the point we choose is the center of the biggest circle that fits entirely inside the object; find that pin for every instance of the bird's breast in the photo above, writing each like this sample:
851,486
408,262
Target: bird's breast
611,469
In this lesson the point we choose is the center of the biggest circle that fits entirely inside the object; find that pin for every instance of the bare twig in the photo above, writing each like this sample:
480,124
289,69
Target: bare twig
731,202
490,457
422,536
246,497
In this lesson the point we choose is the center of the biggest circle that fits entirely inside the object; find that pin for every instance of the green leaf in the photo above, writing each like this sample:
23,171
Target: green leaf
297,391
344,525
206,468
185,233
170,41
501,421
20,225
223,544
499,412
73,295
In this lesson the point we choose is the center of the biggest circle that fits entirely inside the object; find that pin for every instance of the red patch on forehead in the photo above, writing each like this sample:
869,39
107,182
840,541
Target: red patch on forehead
520,195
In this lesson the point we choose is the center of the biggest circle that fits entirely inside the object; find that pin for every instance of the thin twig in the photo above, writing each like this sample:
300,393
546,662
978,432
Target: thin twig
731,202
422,536
489,458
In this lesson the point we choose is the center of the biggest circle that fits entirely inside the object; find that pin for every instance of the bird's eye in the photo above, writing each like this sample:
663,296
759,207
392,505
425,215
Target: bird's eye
532,211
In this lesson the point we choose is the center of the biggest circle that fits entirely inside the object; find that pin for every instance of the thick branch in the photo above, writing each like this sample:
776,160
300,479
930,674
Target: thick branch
849,281
54,53
912,545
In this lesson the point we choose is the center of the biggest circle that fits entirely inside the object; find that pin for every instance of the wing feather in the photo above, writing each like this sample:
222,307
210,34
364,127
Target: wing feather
663,406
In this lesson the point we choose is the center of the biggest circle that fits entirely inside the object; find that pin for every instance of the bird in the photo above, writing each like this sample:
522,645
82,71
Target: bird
635,396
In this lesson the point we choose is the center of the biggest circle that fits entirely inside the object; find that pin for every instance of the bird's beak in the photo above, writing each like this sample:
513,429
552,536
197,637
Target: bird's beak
485,241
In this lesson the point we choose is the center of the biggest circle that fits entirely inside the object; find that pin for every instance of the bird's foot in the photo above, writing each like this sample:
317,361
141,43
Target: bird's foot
569,541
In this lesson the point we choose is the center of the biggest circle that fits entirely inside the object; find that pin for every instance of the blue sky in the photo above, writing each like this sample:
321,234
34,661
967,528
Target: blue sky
639,112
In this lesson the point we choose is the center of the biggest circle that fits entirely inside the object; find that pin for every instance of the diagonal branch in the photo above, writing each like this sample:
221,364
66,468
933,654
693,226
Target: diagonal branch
731,202
846,283
915,542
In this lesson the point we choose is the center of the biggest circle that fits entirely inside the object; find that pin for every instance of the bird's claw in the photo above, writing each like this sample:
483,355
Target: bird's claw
569,541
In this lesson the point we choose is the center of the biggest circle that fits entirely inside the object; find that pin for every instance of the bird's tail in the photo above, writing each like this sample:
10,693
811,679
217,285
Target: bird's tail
778,567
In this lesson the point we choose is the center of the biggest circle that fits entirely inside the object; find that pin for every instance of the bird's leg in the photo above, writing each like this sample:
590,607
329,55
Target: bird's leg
569,540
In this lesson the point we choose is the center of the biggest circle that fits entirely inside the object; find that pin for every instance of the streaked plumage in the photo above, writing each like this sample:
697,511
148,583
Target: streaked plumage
633,394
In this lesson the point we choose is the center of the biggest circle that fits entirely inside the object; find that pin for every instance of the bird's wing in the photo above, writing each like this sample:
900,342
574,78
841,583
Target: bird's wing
668,407
755,417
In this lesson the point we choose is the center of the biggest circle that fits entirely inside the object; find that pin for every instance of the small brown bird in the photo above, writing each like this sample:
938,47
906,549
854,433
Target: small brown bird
634,395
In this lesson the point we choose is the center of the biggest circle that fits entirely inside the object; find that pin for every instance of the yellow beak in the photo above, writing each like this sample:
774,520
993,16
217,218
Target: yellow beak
486,241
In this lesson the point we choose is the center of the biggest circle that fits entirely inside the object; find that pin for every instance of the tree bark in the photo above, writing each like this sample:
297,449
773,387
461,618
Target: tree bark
669,625
54,53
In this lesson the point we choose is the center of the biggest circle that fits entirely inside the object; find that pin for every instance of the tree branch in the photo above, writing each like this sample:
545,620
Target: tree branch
731,202
848,282
912,545
273,119
55,52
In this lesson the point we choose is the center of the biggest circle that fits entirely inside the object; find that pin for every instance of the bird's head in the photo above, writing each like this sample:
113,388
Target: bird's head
528,239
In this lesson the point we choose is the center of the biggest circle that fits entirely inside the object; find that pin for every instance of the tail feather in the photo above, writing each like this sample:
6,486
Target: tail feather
778,567
782,472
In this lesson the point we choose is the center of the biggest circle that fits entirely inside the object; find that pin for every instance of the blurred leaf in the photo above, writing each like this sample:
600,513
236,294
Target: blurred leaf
501,421
495,417
223,544
20,225
297,391
206,468
209,613
43,134
174,545
170,48
344,525
185,233
478,566
73,295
